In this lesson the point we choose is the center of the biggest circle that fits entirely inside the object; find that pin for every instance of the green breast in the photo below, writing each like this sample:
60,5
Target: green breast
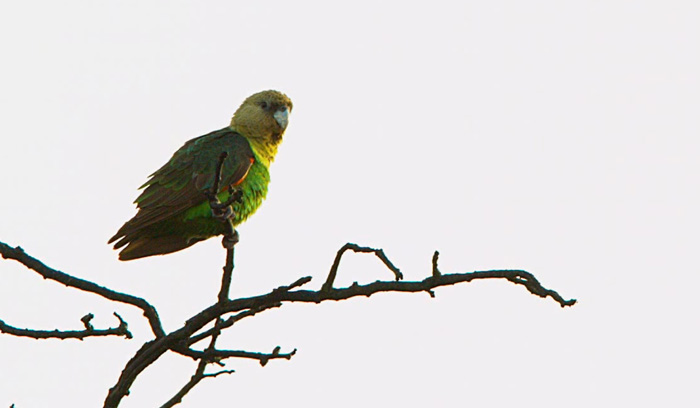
198,221
254,189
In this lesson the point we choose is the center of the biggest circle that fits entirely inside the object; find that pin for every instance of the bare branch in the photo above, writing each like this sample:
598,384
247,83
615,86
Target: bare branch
218,373
222,354
34,264
90,331
328,285
437,279
180,340
297,283
198,376
518,277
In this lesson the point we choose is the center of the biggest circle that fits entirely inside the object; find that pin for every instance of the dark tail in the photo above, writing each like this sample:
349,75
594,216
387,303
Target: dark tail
149,246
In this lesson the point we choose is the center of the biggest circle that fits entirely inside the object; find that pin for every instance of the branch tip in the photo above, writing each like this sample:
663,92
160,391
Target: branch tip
86,321
436,271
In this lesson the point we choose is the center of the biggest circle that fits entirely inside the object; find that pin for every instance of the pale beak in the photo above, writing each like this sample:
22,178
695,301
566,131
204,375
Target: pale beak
282,117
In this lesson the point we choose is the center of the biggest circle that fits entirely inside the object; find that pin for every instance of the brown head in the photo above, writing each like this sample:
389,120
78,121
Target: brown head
262,119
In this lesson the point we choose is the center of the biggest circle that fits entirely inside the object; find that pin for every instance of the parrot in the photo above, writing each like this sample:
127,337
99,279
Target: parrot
173,209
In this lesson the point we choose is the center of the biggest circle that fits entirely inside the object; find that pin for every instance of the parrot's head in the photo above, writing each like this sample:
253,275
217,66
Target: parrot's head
263,117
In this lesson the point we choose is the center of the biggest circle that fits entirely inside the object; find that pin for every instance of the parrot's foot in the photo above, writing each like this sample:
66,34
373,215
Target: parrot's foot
229,241
235,196
222,214
223,211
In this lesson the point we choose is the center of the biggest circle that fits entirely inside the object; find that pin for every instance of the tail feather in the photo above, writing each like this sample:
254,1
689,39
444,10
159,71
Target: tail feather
149,246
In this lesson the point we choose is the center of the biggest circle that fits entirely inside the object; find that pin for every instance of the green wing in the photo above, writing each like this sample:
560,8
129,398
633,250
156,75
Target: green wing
185,179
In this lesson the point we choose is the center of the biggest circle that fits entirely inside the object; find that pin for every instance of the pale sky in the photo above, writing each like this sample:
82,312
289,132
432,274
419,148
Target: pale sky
552,136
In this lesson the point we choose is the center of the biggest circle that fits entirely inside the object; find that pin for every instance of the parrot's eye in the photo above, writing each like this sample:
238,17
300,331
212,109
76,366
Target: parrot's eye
263,105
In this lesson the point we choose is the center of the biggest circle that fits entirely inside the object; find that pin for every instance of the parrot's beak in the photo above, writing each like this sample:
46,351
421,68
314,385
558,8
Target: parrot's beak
282,117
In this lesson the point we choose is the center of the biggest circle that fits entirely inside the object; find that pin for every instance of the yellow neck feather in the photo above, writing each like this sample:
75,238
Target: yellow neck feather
264,150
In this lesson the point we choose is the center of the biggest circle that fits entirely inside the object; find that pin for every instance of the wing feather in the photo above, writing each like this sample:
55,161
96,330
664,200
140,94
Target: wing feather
183,182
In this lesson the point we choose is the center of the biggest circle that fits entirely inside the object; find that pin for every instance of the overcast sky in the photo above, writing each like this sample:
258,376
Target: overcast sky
553,136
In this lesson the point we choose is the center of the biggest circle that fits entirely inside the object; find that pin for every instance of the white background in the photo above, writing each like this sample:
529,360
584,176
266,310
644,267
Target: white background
553,136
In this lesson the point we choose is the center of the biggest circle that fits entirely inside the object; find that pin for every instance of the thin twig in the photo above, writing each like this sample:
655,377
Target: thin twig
436,271
121,330
328,285
198,376
222,354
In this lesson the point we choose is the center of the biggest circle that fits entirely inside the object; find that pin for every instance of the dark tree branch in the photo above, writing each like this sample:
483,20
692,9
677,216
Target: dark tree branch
198,376
328,285
90,331
34,264
180,340
218,355
519,277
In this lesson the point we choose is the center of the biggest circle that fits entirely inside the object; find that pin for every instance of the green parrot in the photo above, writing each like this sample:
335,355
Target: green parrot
173,210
